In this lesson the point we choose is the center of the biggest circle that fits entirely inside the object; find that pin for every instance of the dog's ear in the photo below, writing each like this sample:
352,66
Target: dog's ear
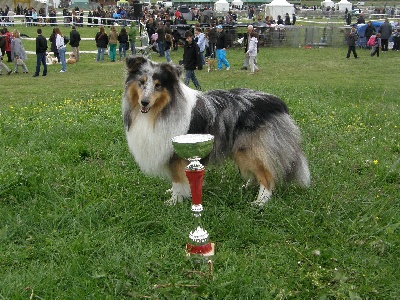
134,63
175,70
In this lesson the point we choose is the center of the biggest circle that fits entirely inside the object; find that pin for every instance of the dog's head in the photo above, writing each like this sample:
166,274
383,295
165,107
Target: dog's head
149,86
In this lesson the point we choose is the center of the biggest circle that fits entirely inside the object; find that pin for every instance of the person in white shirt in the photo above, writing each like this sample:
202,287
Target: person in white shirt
201,42
61,49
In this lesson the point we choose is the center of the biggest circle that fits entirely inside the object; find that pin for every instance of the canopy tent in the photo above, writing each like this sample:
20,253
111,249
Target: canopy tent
279,8
237,3
221,5
343,4
327,3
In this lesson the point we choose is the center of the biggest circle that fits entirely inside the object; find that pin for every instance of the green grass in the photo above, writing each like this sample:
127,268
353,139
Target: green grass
80,221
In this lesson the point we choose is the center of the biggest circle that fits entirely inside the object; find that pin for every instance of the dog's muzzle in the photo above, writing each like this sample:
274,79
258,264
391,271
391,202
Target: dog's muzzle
145,109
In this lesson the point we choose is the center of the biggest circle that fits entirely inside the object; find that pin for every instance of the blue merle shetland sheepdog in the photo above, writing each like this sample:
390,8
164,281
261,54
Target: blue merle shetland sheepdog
251,127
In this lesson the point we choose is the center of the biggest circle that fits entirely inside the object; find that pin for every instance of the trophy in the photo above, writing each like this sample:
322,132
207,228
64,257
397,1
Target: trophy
194,147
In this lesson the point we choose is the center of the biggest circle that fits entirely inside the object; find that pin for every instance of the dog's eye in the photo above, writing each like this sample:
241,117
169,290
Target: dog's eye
142,81
157,86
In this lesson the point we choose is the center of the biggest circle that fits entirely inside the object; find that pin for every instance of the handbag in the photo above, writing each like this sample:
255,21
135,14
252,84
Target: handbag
19,61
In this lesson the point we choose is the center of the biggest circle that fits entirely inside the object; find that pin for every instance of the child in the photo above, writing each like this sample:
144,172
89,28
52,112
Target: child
376,46
351,42
167,47
252,52
191,60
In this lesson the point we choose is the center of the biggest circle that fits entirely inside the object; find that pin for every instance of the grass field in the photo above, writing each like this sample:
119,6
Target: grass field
80,221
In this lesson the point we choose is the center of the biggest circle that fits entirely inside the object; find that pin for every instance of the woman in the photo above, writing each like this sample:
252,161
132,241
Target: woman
101,43
123,40
132,37
61,49
18,54
53,47
112,40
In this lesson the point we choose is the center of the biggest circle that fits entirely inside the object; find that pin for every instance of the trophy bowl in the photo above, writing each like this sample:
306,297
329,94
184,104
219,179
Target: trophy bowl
193,145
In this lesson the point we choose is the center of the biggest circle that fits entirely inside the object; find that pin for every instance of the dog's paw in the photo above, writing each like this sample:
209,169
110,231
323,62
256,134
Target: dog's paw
179,191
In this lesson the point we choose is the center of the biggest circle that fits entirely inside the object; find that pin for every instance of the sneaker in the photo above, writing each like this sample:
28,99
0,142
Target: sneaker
35,75
252,73
62,71
227,68
9,72
243,68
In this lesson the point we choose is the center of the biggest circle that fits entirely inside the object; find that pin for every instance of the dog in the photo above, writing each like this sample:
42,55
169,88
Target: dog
251,127
210,62
50,60
71,59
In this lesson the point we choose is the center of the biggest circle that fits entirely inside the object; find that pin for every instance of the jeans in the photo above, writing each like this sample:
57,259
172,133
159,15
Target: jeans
62,51
41,59
113,52
122,50
160,48
190,75
100,54
221,57
168,55
133,46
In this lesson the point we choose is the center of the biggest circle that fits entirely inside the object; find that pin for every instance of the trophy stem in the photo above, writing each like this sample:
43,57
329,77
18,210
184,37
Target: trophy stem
199,242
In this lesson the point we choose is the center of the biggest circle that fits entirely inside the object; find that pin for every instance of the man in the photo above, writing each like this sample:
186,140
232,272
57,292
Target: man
191,60
246,42
385,30
221,46
41,47
74,39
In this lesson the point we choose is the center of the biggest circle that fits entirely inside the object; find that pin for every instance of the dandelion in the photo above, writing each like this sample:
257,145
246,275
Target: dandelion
375,161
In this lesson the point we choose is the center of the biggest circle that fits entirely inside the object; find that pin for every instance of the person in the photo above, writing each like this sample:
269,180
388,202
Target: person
376,46
396,40
61,49
101,43
191,60
41,47
221,46
167,47
351,43
279,21
175,36
8,36
252,52
4,66
385,30
369,31
74,40
112,41
287,19
53,46
293,19
201,42
348,18
132,37
212,39
18,53
160,39
246,42
123,40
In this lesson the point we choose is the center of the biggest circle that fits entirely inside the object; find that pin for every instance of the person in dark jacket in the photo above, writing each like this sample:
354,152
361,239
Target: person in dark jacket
369,31
386,31
74,40
351,43
191,60
101,43
41,48
53,47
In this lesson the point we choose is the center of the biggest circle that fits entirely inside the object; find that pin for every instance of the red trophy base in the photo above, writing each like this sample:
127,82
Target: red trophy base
203,250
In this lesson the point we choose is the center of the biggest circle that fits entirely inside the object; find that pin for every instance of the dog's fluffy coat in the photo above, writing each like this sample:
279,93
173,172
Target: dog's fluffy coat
251,127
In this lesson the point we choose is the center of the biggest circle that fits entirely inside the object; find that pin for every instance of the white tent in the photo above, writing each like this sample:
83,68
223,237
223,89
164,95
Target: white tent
221,5
279,8
237,3
343,4
327,3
